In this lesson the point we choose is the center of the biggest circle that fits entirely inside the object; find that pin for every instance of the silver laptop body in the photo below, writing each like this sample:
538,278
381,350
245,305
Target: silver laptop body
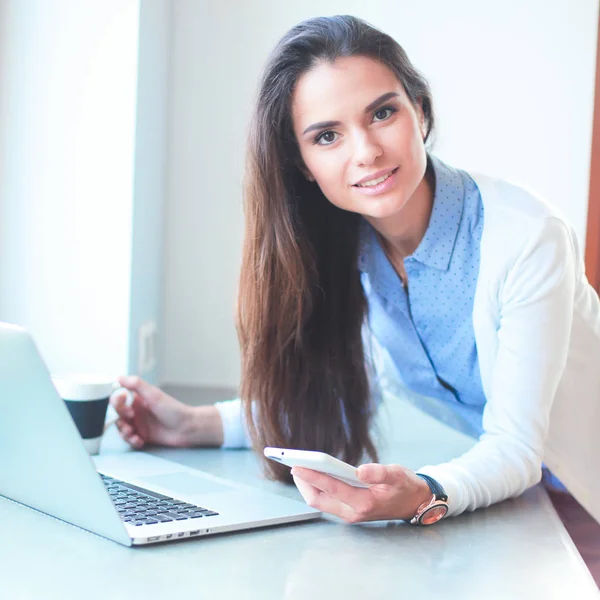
44,465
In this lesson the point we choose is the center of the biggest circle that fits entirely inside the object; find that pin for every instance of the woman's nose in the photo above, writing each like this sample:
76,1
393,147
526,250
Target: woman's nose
366,149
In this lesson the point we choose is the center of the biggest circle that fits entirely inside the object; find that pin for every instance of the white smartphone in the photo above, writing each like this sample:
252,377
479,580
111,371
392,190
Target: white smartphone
317,461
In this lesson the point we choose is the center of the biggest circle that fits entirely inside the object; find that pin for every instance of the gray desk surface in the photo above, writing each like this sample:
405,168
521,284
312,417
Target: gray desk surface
515,549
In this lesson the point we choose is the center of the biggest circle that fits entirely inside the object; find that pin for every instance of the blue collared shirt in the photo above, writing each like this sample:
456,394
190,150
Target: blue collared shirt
427,329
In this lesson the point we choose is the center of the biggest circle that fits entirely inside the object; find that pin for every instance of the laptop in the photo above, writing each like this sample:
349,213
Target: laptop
133,498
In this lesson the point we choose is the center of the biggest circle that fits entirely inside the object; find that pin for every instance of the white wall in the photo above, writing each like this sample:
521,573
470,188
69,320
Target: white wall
84,145
513,85
83,152
67,124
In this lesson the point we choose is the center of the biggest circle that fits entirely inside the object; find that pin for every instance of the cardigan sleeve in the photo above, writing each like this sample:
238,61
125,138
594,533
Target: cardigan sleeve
536,311
235,432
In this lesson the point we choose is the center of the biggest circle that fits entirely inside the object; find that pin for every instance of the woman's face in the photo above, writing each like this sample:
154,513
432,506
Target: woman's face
360,137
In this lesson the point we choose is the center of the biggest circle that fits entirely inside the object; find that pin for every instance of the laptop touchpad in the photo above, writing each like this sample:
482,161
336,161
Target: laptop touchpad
184,483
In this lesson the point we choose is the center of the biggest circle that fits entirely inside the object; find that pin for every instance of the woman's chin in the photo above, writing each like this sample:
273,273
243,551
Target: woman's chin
380,210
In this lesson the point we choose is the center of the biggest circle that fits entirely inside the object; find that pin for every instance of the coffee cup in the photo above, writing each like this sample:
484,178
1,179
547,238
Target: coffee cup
87,397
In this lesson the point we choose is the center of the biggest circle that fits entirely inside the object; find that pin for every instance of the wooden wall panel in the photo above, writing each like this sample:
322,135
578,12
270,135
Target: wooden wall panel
592,245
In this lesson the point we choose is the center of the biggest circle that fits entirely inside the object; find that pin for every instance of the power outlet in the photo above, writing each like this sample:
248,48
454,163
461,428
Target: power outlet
147,347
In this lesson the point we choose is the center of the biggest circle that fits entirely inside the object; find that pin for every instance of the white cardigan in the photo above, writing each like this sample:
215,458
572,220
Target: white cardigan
537,328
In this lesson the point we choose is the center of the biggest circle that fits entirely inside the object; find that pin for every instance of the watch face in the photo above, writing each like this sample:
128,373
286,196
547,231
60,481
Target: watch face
434,514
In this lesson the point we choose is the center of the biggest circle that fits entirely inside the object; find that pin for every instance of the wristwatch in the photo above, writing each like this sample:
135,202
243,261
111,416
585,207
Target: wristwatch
435,509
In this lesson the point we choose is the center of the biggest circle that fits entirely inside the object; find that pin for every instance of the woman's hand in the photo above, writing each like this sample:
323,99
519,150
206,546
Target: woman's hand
157,418
394,492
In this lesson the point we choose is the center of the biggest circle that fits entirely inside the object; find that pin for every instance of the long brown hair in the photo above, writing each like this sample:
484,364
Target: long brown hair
301,305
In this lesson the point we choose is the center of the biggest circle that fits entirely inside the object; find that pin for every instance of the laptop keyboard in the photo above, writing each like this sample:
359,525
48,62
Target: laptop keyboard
139,506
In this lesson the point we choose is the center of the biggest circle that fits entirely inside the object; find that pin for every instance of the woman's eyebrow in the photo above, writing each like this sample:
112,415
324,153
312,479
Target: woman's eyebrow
321,125
383,98
327,124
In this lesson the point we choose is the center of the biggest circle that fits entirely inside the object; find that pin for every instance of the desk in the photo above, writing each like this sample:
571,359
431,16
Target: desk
517,549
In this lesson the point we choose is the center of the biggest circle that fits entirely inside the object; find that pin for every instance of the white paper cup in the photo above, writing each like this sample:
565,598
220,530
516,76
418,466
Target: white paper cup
86,396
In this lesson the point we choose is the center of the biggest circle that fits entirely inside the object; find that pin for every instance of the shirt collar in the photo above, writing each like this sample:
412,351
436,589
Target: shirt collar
437,245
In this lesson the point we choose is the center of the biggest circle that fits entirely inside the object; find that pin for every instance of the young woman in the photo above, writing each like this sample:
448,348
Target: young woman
473,289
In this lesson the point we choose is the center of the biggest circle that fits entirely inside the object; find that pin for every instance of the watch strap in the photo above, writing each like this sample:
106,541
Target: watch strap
436,488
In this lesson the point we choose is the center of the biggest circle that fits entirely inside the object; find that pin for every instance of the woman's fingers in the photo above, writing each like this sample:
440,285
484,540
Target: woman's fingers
128,431
129,434
124,427
137,385
125,411
344,492
331,495
118,402
136,441
319,500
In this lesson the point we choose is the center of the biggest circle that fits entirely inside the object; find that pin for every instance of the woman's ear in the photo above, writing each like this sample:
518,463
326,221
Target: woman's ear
421,117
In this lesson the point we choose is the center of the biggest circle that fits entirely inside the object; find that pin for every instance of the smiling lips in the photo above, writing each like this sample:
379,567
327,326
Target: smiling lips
376,178
377,183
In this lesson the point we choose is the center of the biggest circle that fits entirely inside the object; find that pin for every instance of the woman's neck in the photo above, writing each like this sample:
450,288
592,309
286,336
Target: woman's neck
402,235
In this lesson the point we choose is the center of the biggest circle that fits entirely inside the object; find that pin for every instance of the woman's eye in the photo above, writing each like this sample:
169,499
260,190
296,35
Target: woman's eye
326,138
383,113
